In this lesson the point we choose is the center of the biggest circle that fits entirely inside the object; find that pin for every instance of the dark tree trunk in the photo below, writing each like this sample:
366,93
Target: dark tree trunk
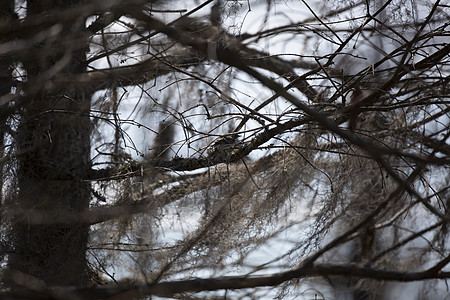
53,139
6,15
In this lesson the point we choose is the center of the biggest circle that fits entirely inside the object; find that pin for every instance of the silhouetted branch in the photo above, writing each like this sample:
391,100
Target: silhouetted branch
171,288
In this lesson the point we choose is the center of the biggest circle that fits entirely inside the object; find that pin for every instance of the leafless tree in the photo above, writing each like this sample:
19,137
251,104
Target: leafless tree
224,149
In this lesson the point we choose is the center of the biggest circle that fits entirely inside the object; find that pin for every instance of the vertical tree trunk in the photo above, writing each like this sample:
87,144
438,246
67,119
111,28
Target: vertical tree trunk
54,135
6,15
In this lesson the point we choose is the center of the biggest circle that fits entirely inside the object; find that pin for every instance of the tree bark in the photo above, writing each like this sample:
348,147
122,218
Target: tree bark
54,136
6,15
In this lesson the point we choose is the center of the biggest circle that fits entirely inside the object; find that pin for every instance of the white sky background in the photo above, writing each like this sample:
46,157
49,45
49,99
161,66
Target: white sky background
244,89
177,222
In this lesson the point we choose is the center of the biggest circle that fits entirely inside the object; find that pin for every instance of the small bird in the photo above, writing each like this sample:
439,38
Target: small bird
225,140
222,146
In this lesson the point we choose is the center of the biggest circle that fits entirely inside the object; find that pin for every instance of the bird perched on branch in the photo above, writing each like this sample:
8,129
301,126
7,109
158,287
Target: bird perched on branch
221,148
